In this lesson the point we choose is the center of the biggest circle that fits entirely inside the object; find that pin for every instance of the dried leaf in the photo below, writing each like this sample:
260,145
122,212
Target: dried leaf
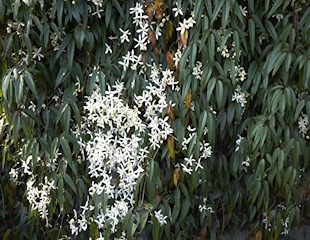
188,99
203,233
159,9
176,176
152,38
170,112
150,12
171,147
169,59
184,37
258,235
169,31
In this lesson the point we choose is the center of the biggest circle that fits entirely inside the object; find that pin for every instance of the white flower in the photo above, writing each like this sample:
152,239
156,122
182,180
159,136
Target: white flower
202,208
239,96
182,27
279,17
197,70
189,161
143,30
160,217
240,73
198,164
186,169
303,125
138,14
177,10
124,36
246,163
243,10
108,49
238,141
141,43
177,57
37,53
27,2
190,22
158,32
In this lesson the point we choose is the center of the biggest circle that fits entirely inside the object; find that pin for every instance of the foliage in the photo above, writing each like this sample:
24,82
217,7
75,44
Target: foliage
172,120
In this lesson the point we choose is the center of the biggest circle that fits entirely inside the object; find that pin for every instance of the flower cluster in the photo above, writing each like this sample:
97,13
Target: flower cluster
240,73
197,70
185,25
205,151
203,207
132,60
160,218
39,197
114,153
153,101
239,96
303,125
38,192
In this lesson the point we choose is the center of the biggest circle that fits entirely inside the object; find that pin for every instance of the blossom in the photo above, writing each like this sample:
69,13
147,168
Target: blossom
138,14
177,10
197,70
303,125
182,27
240,73
246,163
239,96
189,161
37,53
243,10
124,36
177,57
108,49
186,168
160,217
238,141
141,43
190,22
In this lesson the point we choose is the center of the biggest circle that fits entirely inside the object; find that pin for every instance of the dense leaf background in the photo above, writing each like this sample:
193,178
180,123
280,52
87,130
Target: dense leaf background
53,53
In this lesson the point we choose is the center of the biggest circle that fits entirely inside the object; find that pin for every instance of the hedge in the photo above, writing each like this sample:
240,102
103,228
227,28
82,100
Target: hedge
154,119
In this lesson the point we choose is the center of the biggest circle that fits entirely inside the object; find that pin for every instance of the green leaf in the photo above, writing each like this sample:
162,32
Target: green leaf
60,195
202,123
225,14
102,82
19,87
186,204
119,8
68,154
219,94
6,86
108,13
70,53
30,83
217,8
256,189
287,175
275,6
210,88
70,182
143,219
79,36
279,62
211,47
252,34
62,76
67,39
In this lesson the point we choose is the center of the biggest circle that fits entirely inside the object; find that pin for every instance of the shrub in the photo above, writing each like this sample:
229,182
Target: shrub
163,119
